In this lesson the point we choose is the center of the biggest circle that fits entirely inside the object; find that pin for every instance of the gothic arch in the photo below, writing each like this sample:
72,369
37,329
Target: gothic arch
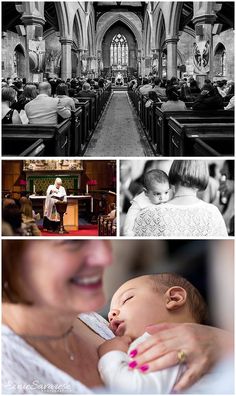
172,19
111,21
147,35
159,23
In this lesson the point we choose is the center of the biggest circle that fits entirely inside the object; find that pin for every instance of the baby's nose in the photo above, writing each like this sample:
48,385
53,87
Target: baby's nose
113,314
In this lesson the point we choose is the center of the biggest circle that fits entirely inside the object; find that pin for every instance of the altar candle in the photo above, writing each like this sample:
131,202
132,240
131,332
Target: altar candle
34,191
86,188
91,204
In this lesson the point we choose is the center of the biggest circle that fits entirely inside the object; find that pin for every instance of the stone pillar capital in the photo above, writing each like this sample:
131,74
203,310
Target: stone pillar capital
173,40
65,41
32,20
204,19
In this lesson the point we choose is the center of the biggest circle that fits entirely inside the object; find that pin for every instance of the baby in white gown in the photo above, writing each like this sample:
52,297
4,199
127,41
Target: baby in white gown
136,304
156,191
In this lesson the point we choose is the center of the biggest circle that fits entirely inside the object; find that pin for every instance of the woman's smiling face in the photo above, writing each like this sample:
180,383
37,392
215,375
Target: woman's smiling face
65,275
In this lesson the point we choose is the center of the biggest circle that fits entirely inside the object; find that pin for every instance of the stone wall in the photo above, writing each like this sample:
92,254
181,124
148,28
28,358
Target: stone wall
227,39
9,43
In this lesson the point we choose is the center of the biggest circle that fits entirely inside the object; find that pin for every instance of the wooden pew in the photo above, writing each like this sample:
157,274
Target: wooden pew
160,135
76,132
24,148
92,111
106,226
56,138
220,146
84,104
182,132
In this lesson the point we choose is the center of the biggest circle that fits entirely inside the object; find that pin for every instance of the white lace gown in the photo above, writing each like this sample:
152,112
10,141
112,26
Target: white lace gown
167,220
24,370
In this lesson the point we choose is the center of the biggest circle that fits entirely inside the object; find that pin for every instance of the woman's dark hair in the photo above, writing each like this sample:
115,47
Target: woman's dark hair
30,91
189,173
153,96
62,89
12,215
8,94
172,93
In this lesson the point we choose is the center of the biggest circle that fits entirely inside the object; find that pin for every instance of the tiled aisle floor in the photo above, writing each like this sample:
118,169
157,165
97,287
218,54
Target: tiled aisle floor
119,132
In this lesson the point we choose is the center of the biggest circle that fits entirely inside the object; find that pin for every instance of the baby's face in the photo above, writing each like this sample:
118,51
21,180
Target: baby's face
158,193
134,306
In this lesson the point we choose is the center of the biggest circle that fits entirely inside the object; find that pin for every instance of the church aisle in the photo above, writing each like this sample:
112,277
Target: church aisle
119,132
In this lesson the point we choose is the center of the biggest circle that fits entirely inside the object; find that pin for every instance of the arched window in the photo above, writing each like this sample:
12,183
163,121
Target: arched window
119,50
220,60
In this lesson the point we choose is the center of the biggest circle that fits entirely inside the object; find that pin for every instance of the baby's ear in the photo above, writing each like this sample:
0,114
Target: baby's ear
145,190
176,297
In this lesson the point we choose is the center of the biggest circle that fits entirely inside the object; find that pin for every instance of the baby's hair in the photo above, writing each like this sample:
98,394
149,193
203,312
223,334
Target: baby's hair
197,305
154,175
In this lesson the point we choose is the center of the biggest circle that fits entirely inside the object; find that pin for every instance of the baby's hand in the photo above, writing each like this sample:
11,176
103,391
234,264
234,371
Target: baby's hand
115,344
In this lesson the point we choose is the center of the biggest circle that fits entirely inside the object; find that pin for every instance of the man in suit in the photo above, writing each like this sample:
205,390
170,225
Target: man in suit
44,109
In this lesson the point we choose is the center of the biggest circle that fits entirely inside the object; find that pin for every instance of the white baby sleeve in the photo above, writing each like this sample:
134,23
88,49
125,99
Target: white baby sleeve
114,371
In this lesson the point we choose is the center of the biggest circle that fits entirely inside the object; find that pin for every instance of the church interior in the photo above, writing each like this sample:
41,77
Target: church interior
90,188
122,51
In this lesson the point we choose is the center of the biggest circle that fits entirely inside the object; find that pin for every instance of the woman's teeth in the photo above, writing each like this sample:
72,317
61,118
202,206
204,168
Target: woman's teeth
86,281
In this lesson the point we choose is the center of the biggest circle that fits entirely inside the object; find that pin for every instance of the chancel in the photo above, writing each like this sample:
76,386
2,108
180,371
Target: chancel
121,78
66,196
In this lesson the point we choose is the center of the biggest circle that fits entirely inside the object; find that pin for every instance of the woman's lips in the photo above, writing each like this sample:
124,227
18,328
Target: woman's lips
87,282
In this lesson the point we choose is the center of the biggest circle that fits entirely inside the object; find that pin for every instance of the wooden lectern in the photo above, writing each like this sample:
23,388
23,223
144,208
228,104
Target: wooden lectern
61,208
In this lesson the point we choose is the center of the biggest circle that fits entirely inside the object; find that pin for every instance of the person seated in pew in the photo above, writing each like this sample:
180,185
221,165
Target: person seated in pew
62,94
44,109
71,93
9,115
146,87
173,103
230,105
161,92
86,91
29,93
28,222
209,99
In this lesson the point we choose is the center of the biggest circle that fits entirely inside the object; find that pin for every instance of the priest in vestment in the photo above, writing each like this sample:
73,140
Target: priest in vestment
55,192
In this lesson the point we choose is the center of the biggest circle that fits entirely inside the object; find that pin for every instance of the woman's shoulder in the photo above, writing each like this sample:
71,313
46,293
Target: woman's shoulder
24,370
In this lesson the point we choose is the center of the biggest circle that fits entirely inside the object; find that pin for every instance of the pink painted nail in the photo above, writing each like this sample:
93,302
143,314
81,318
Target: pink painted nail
133,353
133,364
144,368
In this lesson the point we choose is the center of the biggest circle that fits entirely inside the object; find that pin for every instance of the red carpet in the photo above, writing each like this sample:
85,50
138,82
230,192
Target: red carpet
85,230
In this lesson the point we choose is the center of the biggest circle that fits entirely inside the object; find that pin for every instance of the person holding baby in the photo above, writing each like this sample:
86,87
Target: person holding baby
51,335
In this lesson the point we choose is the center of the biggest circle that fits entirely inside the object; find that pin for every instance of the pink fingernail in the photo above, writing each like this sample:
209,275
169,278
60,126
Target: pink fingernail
133,364
133,353
144,368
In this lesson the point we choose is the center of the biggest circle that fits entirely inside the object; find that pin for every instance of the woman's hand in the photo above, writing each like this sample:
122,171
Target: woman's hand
202,345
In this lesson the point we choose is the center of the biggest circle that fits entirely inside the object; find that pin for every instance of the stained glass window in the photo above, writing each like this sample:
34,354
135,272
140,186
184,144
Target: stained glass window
119,50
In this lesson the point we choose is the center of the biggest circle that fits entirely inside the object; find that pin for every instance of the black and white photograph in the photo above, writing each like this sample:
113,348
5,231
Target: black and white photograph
120,79
174,198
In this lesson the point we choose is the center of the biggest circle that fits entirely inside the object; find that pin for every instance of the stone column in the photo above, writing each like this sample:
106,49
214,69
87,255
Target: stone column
34,30
66,66
78,67
202,51
171,44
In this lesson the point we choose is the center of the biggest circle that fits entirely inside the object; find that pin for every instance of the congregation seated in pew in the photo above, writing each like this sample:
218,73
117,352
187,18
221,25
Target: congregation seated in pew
44,109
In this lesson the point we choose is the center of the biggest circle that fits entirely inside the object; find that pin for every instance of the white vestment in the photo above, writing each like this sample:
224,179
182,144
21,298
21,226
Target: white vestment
50,210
